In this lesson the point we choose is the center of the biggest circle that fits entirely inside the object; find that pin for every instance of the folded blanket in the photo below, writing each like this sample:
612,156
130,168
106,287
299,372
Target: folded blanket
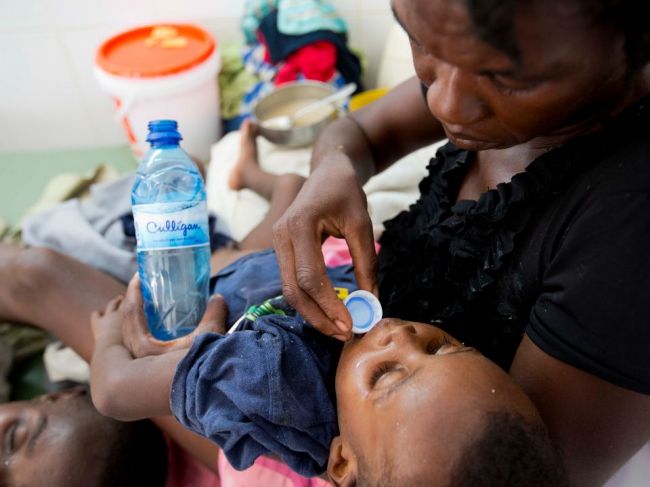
90,230
238,212
295,17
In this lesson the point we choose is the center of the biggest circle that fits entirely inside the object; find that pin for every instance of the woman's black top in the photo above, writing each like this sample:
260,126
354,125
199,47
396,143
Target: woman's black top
561,253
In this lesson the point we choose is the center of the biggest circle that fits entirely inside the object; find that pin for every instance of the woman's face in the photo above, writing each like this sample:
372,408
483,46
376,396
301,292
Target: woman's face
570,72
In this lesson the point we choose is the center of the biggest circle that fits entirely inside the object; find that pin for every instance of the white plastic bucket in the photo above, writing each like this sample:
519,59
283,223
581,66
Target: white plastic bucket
190,97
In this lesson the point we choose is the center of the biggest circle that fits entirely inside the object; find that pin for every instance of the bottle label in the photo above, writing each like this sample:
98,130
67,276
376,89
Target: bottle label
162,226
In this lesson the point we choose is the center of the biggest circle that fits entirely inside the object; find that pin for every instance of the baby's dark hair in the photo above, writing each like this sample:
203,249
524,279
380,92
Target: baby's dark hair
137,456
493,20
510,451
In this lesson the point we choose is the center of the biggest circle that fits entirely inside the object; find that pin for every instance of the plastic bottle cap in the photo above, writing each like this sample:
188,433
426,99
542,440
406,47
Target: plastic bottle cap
365,310
163,130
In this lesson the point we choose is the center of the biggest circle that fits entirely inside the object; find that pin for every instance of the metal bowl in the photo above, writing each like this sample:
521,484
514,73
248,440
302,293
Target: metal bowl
301,135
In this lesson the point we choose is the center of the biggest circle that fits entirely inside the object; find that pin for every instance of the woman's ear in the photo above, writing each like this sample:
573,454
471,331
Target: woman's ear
342,464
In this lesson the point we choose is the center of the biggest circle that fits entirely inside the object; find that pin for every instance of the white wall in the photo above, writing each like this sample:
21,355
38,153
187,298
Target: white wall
48,96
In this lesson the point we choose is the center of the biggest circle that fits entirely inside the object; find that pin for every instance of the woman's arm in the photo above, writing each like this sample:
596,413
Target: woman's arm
332,201
381,133
597,425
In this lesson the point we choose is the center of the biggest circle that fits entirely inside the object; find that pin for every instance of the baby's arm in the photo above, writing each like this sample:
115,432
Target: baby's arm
123,387
131,372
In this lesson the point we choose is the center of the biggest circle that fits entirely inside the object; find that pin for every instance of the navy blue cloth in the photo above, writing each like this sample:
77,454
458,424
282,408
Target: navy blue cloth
281,45
267,389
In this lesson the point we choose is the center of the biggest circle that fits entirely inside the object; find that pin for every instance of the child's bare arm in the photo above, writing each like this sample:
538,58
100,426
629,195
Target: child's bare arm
131,372
124,387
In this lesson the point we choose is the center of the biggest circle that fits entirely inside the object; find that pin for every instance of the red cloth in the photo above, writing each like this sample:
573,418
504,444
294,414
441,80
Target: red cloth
184,470
336,252
265,472
316,61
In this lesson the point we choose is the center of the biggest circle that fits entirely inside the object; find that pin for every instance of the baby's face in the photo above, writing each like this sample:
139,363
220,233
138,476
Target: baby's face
411,395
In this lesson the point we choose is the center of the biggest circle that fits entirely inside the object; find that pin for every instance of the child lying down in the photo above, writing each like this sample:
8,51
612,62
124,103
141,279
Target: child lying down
415,406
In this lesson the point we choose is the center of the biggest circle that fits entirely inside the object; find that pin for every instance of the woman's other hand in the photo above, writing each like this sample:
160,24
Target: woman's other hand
129,387
137,337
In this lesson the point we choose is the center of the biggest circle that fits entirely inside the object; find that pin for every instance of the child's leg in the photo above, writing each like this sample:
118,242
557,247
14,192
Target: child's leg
247,173
279,190
285,189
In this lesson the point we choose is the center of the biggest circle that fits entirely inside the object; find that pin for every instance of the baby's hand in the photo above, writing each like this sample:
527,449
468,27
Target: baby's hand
139,340
107,325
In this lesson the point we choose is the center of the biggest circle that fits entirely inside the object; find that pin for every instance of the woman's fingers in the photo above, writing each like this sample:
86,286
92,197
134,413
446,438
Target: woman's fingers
361,242
135,330
134,325
94,323
312,279
310,269
134,292
214,319
138,338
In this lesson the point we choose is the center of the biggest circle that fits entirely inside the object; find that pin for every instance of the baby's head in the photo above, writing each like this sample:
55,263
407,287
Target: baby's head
416,407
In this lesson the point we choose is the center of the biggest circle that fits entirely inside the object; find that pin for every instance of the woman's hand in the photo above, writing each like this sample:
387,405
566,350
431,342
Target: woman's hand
331,202
347,153
128,387
137,337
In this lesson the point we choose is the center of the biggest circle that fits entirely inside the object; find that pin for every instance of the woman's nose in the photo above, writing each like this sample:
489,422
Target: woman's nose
452,98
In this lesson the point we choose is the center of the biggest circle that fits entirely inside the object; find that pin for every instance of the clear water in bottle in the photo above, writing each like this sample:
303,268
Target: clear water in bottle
170,214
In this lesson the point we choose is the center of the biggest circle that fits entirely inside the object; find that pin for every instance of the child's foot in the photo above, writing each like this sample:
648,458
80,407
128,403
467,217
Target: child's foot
247,161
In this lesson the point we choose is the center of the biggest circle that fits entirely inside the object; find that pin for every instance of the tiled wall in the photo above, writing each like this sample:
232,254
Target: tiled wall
48,96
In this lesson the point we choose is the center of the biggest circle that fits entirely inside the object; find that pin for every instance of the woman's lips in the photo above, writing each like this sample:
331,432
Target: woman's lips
467,136
470,140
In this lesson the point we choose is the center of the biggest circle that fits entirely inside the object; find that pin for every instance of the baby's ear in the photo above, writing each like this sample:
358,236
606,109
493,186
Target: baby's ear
342,464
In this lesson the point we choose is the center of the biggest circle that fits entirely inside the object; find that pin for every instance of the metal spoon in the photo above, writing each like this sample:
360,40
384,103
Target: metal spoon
286,122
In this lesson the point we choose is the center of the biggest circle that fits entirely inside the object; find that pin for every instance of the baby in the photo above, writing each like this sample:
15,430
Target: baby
415,406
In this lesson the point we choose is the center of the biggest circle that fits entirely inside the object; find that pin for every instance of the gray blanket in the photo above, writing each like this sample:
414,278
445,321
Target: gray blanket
89,230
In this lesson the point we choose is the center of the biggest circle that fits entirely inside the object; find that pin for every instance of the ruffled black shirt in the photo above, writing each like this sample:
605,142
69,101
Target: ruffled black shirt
561,253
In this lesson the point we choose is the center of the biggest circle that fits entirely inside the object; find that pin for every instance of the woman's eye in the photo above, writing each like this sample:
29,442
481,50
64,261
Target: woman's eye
511,85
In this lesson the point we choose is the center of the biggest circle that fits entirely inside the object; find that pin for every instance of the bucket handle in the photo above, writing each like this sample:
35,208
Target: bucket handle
125,106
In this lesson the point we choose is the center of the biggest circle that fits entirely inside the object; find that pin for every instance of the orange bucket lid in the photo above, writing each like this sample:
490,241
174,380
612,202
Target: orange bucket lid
155,50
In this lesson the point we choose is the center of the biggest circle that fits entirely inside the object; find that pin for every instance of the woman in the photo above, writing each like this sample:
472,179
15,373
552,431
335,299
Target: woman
533,223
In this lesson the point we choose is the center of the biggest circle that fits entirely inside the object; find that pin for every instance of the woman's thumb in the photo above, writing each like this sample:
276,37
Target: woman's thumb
214,319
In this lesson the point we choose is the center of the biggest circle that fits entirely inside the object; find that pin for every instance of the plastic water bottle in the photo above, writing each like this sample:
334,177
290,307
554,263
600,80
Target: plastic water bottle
171,224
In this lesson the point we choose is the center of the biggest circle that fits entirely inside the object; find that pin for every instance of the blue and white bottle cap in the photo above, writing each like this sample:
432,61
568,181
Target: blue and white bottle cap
365,310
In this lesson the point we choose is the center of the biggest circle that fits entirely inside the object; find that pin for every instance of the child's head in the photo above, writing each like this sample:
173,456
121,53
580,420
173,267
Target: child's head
416,407
61,440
